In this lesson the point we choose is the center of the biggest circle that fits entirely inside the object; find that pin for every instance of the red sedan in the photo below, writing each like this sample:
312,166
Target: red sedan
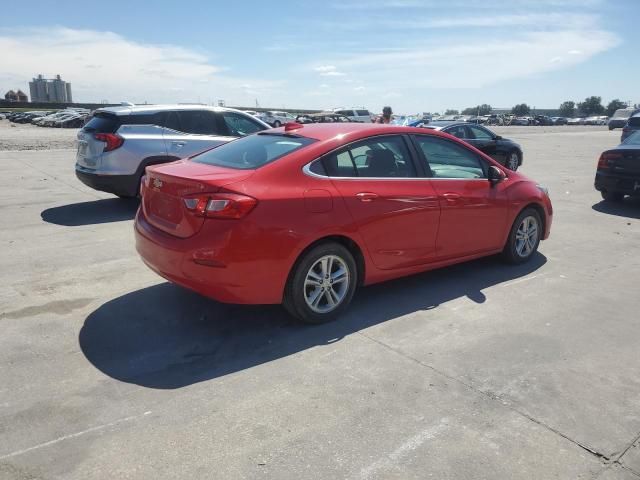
302,215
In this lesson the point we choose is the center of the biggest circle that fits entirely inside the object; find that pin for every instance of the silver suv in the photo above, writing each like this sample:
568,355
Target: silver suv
116,145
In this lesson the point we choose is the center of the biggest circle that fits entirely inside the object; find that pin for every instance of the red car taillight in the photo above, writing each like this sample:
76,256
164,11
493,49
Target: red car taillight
220,205
112,140
607,158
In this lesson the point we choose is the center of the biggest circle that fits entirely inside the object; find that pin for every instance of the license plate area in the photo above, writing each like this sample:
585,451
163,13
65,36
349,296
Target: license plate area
165,207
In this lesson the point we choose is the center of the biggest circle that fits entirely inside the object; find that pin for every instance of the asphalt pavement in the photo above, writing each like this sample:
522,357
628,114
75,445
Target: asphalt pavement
478,371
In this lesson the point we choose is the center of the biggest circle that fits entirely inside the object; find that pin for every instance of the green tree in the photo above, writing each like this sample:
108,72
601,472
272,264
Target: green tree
567,109
615,105
484,109
591,106
451,112
521,110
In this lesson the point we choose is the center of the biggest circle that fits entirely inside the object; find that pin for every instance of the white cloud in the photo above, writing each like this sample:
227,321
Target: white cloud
412,22
105,65
329,71
466,4
454,64
533,19
325,68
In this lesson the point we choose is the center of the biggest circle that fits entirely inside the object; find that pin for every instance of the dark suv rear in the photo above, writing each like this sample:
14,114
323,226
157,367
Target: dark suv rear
618,172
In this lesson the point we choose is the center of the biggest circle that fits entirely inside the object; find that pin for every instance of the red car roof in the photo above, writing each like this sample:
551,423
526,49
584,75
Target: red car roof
329,131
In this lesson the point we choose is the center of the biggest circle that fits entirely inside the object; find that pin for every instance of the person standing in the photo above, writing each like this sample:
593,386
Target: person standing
386,116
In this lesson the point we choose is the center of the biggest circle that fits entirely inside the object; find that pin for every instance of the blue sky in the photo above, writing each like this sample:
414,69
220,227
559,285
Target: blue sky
415,55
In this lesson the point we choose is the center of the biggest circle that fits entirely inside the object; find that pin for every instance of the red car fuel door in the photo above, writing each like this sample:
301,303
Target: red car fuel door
395,212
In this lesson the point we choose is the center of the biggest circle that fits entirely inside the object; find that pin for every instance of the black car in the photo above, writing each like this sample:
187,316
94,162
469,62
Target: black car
618,172
27,117
503,150
632,125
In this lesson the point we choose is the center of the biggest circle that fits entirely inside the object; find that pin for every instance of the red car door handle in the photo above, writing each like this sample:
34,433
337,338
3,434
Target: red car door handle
366,196
451,196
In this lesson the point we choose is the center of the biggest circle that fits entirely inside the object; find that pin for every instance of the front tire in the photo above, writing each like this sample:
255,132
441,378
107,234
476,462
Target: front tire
524,237
513,161
321,284
612,196
276,124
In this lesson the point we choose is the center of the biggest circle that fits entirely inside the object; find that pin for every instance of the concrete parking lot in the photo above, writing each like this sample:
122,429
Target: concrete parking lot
478,371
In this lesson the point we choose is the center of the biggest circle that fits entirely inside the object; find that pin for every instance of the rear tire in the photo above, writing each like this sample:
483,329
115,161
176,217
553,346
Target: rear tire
276,124
608,196
524,237
321,284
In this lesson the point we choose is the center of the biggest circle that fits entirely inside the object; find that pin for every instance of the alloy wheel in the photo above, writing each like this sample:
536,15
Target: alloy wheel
527,236
326,284
513,162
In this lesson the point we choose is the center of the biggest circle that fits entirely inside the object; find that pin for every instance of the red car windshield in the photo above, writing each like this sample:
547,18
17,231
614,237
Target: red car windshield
252,152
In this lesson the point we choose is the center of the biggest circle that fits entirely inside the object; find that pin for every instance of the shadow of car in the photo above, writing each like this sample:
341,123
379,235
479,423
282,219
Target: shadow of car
166,337
90,213
628,207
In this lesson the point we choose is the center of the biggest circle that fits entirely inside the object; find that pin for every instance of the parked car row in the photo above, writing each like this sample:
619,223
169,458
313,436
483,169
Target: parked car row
278,118
593,120
67,118
323,117
538,120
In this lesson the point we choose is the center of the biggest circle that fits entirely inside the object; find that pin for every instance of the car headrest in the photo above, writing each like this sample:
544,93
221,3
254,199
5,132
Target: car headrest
382,164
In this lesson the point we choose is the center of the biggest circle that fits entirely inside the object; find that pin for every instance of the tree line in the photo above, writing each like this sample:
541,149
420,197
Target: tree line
591,106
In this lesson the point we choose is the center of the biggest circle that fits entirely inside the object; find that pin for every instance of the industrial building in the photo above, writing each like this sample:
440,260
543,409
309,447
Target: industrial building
17,96
53,90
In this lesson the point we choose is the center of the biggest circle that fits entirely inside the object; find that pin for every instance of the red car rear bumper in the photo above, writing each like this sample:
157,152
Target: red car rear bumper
226,276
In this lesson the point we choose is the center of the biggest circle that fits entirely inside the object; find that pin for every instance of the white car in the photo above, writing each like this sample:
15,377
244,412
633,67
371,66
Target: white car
594,120
355,115
276,119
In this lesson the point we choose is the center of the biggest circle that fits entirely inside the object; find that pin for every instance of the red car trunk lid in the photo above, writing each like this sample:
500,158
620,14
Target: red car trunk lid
167,186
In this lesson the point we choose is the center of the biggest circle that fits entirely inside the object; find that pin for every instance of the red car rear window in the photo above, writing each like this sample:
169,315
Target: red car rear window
254,151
